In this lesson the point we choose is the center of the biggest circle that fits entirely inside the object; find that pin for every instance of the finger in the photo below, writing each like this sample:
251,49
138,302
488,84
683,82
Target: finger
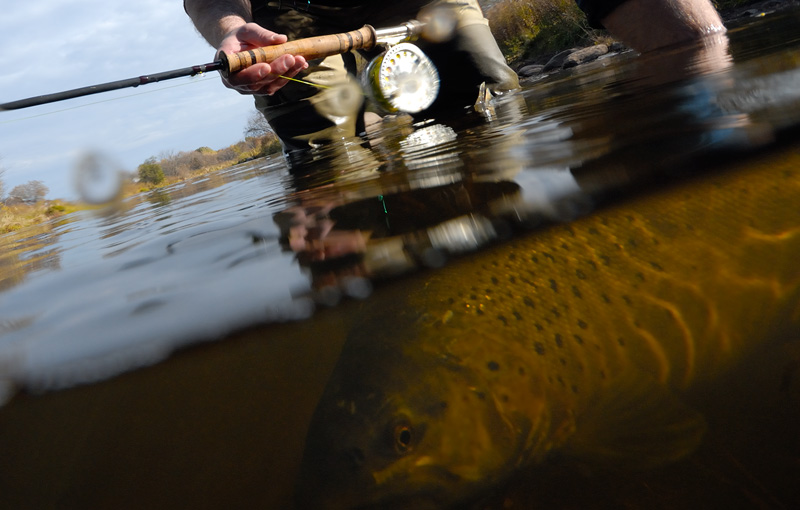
256,36
283,64
251,79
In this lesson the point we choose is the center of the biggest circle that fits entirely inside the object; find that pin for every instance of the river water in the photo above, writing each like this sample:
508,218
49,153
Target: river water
172,349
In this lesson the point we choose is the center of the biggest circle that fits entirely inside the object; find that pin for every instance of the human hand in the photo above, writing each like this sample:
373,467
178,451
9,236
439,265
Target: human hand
262,79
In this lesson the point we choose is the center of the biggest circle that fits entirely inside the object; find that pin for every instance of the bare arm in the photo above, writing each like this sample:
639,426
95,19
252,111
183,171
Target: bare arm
649,24
227,25
214,20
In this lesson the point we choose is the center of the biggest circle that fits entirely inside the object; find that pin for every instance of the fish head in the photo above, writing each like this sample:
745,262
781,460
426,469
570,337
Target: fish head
403,427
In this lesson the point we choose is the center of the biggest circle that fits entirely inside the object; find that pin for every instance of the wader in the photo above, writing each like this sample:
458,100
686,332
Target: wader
295,112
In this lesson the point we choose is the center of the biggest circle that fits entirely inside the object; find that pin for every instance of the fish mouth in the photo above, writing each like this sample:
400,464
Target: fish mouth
431,488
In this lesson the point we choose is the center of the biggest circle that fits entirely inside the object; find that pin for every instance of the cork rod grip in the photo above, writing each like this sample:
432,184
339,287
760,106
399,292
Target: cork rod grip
311,48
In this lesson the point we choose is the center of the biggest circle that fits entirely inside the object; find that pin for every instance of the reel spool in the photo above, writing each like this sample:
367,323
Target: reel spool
402,79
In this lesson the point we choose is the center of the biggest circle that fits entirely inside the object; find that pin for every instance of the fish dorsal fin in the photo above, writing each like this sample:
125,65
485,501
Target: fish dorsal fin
639,424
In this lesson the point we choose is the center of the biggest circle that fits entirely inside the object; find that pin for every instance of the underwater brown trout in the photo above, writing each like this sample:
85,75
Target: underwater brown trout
580,339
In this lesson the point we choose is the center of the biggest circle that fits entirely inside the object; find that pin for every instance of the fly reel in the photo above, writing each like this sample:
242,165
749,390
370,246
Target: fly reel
402,79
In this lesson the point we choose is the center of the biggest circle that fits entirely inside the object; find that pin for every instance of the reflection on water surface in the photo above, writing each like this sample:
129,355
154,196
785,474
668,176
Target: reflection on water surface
581,295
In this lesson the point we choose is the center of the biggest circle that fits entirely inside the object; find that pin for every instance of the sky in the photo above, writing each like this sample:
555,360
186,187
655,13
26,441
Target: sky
54,45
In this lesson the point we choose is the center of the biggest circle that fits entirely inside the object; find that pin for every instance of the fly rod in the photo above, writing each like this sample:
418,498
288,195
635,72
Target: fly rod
311,48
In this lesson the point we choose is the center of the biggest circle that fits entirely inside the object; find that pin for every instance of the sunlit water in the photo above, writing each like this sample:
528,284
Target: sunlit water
279,269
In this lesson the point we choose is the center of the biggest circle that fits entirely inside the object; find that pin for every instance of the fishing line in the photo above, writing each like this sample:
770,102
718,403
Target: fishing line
190,82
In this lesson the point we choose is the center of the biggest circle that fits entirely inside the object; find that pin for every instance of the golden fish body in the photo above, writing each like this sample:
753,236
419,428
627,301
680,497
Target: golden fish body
581,338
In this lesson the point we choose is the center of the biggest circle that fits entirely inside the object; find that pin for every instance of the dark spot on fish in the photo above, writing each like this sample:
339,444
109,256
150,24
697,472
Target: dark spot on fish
504,398
593,264
512,279
606,260
549,256
534,259
629,218
578,339
548,321
576,292
539,348
512,256
570,231
517,315
553,285
574,389
493,366
582,324
559,340
502,319
473,297
640,276
563,361
495,281
656,266
621,341
443,405
528,302
580,274
528,282
450,301
565,246
487,291
354,458
555,312
594,231
627,300
479,311
560,380
605,297
494,263
521,370
633,242
538,327
580,367
602,374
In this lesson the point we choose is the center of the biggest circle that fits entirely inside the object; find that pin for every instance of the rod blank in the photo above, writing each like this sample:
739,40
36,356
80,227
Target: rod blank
112,85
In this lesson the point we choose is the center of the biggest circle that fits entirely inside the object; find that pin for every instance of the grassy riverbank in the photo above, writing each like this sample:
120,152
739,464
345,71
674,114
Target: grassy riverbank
17,216
532,29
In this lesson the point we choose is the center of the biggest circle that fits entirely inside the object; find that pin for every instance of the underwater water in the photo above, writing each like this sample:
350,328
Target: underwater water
582,295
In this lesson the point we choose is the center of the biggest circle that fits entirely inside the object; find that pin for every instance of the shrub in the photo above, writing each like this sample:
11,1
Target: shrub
151,172
526,29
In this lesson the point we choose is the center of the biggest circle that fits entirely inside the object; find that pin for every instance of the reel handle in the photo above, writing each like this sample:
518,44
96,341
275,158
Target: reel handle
310,48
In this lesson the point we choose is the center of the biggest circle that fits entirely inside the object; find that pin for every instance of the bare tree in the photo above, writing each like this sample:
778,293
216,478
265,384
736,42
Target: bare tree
257,126
29,193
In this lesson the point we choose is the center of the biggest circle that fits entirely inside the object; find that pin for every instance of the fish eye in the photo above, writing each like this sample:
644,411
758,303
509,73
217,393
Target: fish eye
403,437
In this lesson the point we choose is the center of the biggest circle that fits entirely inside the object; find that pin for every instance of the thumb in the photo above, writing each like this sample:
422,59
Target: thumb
260,36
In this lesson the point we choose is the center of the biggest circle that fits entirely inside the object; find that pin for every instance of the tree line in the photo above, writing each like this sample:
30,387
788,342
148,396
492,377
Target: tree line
169,165
28,193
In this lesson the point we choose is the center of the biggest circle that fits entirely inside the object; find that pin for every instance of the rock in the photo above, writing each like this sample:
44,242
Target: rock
585,55
616,47
558,60
530,70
